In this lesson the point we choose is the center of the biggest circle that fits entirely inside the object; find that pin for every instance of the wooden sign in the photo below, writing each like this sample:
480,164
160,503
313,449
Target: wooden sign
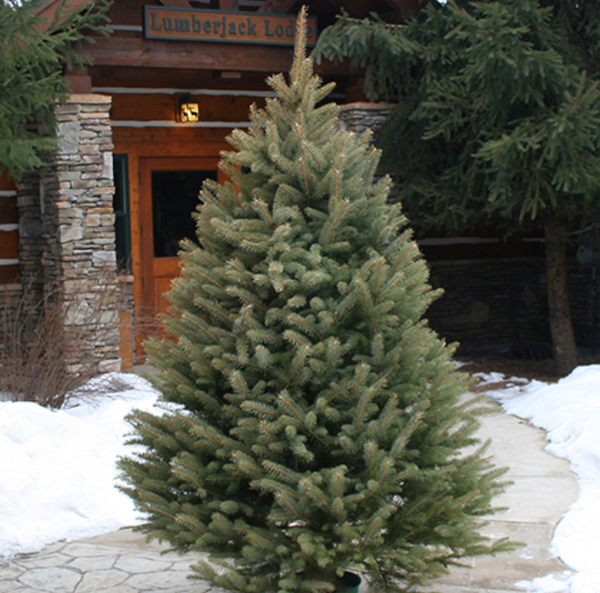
191,24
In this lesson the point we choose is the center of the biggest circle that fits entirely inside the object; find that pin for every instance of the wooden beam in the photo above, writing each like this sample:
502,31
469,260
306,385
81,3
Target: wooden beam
80,81
193,55
79,84
43,6
160,106
402,4
228,5
277,6
355,90
189,55
228,75
47,10
107,76
176,3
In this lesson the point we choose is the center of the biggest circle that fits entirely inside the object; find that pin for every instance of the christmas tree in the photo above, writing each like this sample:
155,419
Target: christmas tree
313,423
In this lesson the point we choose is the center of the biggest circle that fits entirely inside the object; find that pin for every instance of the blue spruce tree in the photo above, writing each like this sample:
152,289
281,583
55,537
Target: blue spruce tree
318,423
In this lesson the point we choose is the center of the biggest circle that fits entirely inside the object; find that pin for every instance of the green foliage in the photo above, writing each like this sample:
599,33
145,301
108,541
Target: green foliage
501,120
382,51
33,54
312,421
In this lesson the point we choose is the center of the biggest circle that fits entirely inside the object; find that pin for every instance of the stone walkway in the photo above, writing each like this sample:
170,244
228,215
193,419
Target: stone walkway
122,562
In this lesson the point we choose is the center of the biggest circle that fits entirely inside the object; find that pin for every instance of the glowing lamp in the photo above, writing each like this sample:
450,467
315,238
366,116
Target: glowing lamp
188,109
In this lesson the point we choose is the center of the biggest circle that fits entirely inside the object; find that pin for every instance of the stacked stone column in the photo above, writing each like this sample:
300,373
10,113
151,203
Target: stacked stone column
360,117
67,230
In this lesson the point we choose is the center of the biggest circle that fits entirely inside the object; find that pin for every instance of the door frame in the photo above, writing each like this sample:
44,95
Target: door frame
150,268
142,143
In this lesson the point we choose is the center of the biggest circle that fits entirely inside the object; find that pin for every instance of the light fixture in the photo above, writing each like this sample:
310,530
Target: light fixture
188,109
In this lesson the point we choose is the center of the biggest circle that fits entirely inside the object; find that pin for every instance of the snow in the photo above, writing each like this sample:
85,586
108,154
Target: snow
57,468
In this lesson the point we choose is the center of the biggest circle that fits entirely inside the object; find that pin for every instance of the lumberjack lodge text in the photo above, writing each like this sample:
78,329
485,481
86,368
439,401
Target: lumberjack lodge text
234,27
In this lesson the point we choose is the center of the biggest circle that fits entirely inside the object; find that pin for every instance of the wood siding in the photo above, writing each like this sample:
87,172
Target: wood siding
159,106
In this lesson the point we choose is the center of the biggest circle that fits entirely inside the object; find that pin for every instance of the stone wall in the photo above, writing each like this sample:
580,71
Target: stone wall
10,310
499,305
67,235
359,117
31,236
490,305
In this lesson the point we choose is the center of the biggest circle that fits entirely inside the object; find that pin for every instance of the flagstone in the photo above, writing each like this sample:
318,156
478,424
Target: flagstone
101,580
78,550
7,586
158,580
184,565
140,564
88,563
9,571
42,560
51,579
125,588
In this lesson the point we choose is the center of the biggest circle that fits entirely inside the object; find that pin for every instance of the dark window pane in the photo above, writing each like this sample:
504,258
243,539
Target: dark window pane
121,209
174,199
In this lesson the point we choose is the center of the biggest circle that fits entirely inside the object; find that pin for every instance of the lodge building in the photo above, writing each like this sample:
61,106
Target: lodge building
142,129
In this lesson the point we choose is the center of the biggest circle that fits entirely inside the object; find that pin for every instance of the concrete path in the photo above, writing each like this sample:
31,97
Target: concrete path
122,562
543,489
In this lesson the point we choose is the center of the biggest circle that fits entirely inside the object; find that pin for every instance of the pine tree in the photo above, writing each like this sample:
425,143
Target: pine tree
312,421
33,53
497,122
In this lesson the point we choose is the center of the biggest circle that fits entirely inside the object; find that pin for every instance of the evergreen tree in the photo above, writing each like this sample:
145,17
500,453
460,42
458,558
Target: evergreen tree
33,54
498,121
312,421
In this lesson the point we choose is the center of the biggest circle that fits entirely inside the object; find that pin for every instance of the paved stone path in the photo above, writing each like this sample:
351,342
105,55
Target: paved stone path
122,562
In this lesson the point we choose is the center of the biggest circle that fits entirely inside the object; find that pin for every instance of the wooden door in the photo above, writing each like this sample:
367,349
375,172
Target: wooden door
169,189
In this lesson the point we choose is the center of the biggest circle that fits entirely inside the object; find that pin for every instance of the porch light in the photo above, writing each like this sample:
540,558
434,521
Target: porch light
188,109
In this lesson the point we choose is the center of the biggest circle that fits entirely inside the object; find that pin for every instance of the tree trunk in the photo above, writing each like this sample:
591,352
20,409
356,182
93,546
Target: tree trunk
561,326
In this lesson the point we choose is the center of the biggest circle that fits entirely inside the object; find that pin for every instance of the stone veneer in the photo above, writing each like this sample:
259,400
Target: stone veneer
359,117
67,234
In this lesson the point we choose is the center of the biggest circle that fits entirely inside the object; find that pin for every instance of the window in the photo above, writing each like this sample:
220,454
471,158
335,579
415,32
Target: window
121,209
174,200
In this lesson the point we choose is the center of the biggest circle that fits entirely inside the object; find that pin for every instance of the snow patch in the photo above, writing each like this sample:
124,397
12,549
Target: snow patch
57,468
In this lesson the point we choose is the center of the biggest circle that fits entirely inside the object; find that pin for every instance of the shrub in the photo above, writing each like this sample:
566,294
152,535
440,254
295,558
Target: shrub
39,340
